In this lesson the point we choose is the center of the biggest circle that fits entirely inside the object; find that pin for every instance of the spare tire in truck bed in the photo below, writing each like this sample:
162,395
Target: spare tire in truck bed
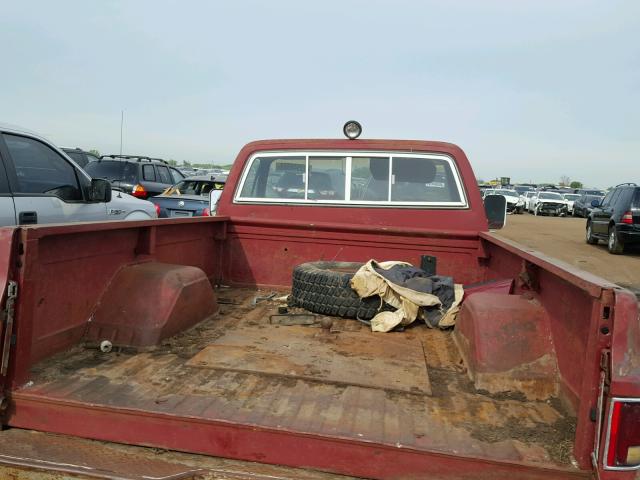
324,288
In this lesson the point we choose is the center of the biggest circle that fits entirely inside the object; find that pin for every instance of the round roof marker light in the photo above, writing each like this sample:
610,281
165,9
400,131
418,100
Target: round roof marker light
352,129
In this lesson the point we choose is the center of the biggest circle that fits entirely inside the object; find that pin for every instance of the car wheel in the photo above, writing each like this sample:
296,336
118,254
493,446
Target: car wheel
614,244
325,288
591,240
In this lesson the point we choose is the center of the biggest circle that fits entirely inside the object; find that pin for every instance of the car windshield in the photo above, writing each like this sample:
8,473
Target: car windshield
77,157
550,196
508,193
194,187
571,196
521,190
112,170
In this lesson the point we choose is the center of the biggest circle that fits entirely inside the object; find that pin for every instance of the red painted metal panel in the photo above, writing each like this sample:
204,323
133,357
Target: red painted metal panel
148,302
7,236
470,220
260,252
496,286
503,331
267,445
575,302
7,249
624,324
66,269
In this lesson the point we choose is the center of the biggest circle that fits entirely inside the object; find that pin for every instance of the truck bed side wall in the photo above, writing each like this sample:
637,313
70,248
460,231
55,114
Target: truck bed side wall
578,305
65,270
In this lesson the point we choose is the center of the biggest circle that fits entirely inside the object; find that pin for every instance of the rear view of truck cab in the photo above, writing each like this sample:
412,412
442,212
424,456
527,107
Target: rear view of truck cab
538,378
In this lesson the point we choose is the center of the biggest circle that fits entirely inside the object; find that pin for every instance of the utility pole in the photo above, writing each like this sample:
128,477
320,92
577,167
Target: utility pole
121,124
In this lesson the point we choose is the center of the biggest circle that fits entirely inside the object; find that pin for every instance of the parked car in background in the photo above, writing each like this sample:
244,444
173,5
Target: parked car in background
81,157
550,203
589,191
582,206
515,204
142,177
188,198
616,219
487,191
531,201
39,183
522,189
570,198
527,198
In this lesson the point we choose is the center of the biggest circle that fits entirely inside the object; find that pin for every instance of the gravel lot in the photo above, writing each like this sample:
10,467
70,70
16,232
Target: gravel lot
563,238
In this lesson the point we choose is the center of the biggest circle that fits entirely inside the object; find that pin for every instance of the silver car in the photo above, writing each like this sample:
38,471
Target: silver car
39,183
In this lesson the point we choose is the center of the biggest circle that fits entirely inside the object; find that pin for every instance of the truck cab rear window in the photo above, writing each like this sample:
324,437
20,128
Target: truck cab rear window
352,179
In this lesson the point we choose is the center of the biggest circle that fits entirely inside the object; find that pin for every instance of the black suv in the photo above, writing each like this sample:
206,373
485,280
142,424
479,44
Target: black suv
81,157
616,219
142,177
583,206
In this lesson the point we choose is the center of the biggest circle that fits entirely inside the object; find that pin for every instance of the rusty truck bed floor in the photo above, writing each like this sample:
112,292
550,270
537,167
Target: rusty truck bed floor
448,415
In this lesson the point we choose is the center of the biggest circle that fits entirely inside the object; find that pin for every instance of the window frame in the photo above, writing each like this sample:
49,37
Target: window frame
349,155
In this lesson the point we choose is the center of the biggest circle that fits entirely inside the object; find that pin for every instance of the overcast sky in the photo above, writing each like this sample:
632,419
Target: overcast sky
529,89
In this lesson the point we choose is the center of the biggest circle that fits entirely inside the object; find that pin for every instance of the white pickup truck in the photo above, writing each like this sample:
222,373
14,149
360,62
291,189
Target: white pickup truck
39,183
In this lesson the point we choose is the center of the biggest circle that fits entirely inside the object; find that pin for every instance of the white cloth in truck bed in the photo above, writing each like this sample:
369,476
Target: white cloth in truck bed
410,303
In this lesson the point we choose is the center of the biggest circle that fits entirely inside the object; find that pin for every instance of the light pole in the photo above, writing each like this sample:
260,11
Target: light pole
121,125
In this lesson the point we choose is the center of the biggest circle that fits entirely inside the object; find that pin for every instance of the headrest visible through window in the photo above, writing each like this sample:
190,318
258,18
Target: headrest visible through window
291,180
414,170
379,168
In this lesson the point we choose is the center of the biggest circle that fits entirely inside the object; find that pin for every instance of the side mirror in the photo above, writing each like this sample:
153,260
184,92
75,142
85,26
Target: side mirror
214,198
595,203
100,190
495,207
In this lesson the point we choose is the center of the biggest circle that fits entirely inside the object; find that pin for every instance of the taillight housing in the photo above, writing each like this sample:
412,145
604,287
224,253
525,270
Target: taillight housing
157,209
627,218
622,448
206,212
139,191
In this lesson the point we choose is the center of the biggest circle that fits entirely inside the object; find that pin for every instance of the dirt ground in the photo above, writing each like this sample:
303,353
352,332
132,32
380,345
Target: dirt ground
564,238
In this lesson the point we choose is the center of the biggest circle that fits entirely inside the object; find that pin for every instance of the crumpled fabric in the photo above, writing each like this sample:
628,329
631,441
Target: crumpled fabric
414,294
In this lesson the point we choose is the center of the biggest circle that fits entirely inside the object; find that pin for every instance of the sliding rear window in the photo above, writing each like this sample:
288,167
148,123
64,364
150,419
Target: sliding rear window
352,179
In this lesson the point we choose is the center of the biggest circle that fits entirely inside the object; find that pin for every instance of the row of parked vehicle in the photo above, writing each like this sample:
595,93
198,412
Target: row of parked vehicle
41,183
613,217
547,202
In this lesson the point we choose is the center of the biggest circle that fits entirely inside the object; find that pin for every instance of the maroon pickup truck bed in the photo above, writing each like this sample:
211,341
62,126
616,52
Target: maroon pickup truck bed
558,348
168,390
152,398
